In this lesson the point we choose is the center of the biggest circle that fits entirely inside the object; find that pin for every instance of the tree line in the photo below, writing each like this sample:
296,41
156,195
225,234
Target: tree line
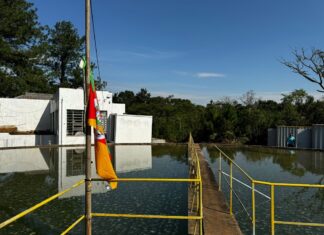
35,57
245,120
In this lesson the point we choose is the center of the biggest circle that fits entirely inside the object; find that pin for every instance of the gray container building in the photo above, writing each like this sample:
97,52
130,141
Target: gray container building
282,134
306,136
272,137
318,136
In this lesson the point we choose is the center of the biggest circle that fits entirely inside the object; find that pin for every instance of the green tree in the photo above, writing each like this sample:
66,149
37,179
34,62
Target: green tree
297,97
296,106
143,96
65,49
21,46
124,97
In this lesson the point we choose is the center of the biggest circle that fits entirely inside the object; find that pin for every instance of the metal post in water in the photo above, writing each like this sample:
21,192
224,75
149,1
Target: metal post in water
231,188
88,128
253,207
220,172
272,210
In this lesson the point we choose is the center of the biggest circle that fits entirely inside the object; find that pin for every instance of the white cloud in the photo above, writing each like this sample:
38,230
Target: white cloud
200,74
195,98
210,75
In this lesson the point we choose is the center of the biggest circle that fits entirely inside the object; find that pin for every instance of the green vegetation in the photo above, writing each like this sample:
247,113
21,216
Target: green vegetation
226,120
37,58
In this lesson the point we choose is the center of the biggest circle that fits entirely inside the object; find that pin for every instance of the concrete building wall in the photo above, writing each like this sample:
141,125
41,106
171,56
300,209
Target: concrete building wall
272,137
68,99
318,136
26,114
133,129
73,99
117,109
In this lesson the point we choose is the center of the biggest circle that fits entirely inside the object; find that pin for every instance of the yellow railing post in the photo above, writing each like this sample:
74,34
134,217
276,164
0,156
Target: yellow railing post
231,189
253,207
272,210
200,207
220,172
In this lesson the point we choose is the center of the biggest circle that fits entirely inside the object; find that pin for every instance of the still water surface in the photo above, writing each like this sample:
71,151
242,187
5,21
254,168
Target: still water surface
27,176
276,165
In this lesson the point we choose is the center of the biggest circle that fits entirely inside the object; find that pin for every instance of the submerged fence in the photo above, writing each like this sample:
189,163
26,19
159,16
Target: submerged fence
195,188
253,183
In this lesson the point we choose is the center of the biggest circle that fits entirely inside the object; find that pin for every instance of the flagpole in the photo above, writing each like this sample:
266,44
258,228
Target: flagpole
88,128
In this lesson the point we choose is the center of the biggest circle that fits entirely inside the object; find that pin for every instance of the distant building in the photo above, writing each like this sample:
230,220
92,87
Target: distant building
59,119
306,136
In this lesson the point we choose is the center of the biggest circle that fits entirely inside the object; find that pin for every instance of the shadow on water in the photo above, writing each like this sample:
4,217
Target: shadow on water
276,165
28,176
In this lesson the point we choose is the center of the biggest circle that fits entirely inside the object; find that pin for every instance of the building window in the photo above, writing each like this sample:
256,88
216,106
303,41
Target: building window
75,162
75,122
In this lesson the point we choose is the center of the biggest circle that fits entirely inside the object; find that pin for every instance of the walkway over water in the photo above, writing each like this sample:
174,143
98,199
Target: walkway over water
216,216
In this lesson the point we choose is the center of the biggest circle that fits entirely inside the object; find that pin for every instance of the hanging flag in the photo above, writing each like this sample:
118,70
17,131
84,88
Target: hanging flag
102,154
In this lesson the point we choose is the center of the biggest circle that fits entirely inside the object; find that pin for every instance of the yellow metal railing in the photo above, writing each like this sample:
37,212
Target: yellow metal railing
254,182
31,209
194,181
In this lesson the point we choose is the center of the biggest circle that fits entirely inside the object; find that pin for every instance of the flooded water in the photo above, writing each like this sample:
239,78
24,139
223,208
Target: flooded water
276,165
28,176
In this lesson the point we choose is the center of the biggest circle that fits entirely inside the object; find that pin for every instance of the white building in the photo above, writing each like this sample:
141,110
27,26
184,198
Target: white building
126,128
59,119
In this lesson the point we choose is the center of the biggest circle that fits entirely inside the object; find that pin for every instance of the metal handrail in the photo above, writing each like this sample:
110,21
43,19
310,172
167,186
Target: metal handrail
254,182
38,205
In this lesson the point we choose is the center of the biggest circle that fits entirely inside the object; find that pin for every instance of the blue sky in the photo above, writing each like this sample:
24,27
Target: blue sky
199,50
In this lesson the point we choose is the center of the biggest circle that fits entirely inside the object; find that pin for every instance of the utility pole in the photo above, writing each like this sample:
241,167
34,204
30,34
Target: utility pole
88,185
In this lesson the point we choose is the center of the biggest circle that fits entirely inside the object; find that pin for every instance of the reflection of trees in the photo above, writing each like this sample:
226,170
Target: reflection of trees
314,204
284,158
290,164
297,162
175,151
214,153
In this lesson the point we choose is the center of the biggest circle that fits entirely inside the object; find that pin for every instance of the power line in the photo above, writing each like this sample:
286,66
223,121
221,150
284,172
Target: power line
95,40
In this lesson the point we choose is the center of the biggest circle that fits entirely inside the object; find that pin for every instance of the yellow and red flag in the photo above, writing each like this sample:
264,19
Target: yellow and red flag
103,158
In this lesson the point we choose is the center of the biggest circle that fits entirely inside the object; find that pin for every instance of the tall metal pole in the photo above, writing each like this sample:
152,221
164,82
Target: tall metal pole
88,128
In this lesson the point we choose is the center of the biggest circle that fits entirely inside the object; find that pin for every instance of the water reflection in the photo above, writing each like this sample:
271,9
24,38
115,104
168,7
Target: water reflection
297,162
66,165
276,165
141,158
72,164
31,160
28,176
